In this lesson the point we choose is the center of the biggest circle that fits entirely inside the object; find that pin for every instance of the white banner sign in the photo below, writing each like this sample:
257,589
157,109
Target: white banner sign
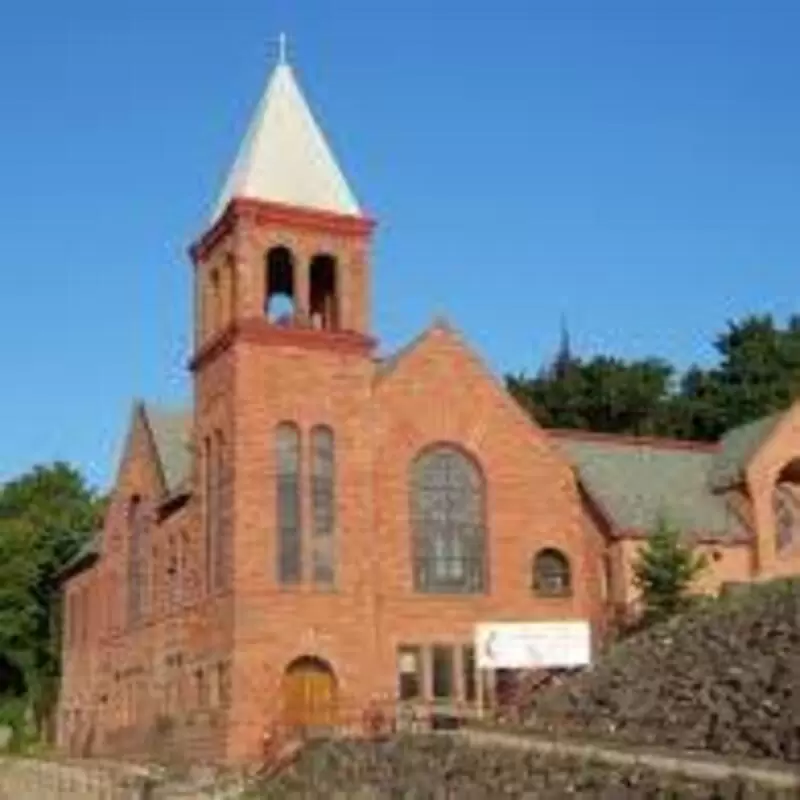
532,645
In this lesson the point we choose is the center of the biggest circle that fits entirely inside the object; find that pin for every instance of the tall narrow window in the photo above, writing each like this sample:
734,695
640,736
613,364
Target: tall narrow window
210,509
409,673
322,504
323,301
468,672
232,287
279,299
215,302
287,446
447,517
220,522
173,579
137,548
442,672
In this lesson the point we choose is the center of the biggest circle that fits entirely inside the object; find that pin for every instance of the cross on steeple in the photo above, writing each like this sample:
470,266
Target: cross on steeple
282,48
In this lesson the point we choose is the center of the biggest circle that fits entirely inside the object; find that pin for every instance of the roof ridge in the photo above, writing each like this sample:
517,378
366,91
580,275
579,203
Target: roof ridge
633,440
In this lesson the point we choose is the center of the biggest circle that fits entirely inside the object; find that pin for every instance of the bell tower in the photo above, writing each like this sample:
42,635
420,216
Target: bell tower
283,375
287,246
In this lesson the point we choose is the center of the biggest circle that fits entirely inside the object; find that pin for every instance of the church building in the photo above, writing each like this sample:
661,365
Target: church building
324,528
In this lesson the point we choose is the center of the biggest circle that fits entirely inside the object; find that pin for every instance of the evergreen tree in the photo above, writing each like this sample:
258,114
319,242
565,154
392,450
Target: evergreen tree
664,572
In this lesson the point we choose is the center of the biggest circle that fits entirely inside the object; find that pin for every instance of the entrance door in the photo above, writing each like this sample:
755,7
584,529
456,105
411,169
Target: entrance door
309,694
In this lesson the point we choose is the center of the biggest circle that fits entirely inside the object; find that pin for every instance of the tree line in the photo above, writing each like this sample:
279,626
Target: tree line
757,372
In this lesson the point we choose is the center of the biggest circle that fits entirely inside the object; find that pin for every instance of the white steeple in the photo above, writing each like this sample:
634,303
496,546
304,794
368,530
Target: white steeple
284,157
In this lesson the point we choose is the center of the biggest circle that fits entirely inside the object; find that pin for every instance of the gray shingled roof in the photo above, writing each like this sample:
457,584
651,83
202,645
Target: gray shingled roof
638,484
171,429
737,447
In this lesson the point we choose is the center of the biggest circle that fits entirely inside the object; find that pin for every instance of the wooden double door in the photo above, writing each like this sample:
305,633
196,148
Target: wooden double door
309,695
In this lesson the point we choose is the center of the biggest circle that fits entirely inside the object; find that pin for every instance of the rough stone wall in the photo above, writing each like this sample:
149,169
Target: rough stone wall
33,779
481,765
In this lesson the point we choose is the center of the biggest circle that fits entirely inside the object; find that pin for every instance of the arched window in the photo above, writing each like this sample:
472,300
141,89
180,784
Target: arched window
222,538
215,302
231,288
137,550
210,516
551,573
448,524
215,528
785,510
323,299
322,503
279,300
287,456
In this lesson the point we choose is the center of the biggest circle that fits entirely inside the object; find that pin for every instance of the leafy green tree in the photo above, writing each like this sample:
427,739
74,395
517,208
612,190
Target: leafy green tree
758,372
664,571
46,516
603,394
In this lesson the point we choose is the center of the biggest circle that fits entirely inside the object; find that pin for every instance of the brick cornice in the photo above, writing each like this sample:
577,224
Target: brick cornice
263,214
258,330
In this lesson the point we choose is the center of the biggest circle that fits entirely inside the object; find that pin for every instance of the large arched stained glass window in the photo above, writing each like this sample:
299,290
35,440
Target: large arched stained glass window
287,456
448,522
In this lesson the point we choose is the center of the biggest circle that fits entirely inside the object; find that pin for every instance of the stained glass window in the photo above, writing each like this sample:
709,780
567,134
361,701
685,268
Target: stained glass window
447,515
551,573
287,444
323,504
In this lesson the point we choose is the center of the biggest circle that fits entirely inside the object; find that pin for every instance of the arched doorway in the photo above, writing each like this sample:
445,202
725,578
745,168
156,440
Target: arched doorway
309,694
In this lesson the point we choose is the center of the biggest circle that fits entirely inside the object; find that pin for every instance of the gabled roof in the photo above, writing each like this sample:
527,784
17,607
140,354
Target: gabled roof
84,558
171,429
284,157
737,448
638,483
387,364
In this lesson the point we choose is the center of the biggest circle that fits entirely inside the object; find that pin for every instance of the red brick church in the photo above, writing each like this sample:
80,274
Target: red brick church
324,528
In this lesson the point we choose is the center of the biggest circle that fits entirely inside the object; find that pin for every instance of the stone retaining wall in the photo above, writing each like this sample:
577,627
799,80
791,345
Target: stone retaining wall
38,779
482,765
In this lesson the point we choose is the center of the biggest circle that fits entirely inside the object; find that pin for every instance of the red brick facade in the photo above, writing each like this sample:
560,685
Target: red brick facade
181,629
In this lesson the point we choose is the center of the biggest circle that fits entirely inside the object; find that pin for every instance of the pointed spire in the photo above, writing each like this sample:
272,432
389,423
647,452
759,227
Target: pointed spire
284,157
563,359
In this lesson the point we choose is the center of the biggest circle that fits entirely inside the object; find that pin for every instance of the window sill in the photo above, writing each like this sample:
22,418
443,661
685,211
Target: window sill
553,595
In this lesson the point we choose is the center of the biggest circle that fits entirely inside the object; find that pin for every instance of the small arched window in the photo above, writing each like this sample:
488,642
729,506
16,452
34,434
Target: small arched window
323,503
448,525
551,573
279,300
287,457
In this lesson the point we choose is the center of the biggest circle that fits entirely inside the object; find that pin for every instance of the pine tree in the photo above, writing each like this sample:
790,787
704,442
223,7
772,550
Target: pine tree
664,571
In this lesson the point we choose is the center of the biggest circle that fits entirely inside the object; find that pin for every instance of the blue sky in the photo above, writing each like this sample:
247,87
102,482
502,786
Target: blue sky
634,166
